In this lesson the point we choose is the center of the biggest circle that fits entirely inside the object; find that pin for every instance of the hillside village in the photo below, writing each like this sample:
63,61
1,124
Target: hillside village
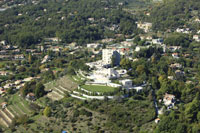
96,86
106,73
103,73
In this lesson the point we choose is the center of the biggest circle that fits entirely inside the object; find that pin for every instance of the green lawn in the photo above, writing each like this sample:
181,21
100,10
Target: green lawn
98,88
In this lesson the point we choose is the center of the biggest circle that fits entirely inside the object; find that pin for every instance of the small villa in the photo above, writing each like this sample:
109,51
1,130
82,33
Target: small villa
30,96
175,55
157,120
3,105
169,100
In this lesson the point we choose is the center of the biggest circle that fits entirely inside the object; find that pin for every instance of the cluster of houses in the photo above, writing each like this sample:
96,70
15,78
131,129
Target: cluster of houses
15,84
103,73
5,73
13,52
169,100
159,43
183,30
10,52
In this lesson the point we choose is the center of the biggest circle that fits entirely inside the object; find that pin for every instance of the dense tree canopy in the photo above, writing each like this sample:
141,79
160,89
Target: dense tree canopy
173,13
73,21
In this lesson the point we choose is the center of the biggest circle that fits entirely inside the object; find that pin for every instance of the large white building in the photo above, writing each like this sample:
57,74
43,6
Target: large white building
104,75
127,83
108,54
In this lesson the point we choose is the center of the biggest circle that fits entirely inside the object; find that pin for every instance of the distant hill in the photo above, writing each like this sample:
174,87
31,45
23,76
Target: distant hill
174,13
80,21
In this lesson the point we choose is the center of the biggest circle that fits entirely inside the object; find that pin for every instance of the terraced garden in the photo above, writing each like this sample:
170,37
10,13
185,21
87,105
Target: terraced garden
17,107
60,87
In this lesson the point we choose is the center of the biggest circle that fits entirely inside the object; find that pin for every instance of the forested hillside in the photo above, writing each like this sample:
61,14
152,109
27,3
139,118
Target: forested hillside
80,21
100,66
174,13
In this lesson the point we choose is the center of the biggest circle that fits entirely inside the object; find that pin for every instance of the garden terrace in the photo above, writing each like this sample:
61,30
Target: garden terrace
18,107
60,87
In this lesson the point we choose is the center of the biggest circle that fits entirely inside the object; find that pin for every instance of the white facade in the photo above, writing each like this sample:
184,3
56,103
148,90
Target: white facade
170,77
127,83
107,55
157,41
45,59
175,55
94,45
185,31
176,65
137,49
109,73
103,75
138,88
149,37
157,120
3,42
122,72
4,73
196,38
169,99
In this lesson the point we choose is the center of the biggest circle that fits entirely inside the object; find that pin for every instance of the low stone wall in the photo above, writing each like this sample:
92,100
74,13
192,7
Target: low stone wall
94,97
110,97
76,92
89,97
92,83
113,85
77,97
